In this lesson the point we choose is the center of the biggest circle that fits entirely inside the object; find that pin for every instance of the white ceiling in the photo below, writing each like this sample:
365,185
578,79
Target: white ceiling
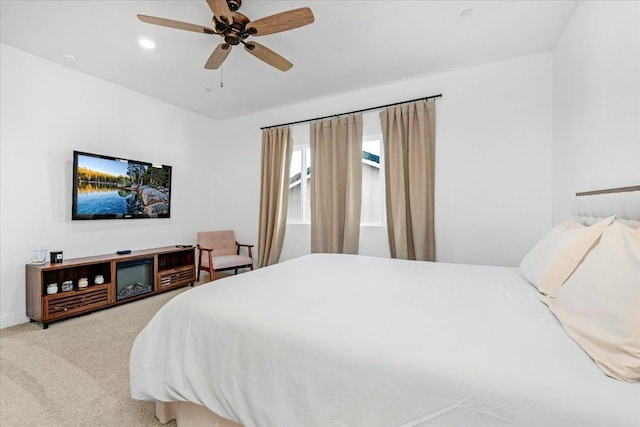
351,45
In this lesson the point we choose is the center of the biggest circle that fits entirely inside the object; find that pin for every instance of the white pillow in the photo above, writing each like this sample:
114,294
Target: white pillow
550,263
599,306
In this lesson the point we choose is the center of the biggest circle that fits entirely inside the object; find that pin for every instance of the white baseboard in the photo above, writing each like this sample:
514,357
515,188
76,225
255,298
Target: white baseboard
13,319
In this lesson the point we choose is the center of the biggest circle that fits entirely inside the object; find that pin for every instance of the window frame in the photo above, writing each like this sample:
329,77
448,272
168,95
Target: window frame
306,209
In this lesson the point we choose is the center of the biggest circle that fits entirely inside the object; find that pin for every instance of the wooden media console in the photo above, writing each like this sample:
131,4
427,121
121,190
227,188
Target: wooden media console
162,268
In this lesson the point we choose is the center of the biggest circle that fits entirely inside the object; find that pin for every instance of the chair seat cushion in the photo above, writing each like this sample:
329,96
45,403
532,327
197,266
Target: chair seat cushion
228,261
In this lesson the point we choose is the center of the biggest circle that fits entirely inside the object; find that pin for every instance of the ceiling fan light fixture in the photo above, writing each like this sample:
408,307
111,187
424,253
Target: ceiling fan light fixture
231,38
147,44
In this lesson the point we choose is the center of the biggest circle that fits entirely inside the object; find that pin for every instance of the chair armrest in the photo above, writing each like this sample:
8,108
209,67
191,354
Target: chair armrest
200,248
244,244
238,244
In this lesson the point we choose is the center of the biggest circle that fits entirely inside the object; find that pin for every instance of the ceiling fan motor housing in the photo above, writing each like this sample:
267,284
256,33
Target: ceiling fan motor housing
234,33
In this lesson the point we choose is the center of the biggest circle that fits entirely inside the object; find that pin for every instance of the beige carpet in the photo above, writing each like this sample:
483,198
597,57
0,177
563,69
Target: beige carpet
76,373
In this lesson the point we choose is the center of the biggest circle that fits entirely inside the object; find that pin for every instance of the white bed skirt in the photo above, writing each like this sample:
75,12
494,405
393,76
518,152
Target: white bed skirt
189,414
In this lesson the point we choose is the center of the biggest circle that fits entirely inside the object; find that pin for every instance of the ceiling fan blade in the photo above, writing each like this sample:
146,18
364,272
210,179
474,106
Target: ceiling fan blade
267,55
176,24
218,56
221,10
279,22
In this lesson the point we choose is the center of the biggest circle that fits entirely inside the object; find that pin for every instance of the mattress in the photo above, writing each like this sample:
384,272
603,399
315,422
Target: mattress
346,340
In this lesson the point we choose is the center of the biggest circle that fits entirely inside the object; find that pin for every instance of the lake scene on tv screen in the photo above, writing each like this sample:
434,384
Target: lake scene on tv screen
120,187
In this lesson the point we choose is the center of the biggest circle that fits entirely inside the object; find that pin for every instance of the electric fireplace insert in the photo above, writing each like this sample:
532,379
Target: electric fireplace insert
134,278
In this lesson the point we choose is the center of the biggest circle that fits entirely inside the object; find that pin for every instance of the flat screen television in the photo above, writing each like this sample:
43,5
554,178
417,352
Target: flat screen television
107,187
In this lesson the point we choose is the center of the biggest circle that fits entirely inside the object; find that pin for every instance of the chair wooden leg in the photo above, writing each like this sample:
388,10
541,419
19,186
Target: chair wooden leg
235,271
211,267
199,263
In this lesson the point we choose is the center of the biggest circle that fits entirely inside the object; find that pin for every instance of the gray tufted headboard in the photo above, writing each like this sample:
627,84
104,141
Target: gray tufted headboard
624,203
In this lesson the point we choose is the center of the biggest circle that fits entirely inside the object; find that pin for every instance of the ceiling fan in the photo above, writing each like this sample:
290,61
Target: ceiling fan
235,28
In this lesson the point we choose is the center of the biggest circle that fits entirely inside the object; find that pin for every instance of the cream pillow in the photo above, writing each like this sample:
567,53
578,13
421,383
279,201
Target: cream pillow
550,263
599,306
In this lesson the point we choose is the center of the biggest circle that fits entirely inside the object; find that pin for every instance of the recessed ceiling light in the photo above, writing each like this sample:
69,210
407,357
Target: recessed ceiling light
147,44
466,13
69,57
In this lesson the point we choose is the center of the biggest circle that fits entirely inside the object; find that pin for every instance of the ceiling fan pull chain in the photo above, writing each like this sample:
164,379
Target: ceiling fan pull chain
221,76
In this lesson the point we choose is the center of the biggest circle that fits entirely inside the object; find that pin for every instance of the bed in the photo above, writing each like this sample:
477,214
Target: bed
346,340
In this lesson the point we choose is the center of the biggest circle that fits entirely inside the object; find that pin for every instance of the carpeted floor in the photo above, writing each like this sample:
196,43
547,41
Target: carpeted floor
76,373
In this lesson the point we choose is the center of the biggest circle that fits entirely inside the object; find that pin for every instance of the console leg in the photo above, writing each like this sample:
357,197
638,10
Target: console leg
45,326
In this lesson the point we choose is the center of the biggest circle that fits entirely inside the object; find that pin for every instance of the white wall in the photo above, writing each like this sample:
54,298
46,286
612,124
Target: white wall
47,111
493,160
493,163
596,102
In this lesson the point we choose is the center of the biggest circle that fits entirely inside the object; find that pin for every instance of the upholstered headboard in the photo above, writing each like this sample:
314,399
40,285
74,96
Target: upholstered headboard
624,203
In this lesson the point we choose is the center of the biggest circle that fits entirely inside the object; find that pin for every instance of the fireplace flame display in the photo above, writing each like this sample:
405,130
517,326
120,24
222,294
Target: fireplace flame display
133,290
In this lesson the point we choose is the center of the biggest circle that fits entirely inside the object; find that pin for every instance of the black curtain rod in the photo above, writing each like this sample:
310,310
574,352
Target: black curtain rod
355,111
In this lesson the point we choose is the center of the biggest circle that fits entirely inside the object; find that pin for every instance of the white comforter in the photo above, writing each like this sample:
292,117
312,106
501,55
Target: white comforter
343,340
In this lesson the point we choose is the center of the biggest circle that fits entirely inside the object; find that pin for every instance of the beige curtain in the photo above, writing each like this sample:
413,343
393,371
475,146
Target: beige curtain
336,184
274,193
408,132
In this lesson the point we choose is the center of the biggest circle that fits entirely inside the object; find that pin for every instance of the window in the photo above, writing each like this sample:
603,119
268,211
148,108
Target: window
373,198
299,195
